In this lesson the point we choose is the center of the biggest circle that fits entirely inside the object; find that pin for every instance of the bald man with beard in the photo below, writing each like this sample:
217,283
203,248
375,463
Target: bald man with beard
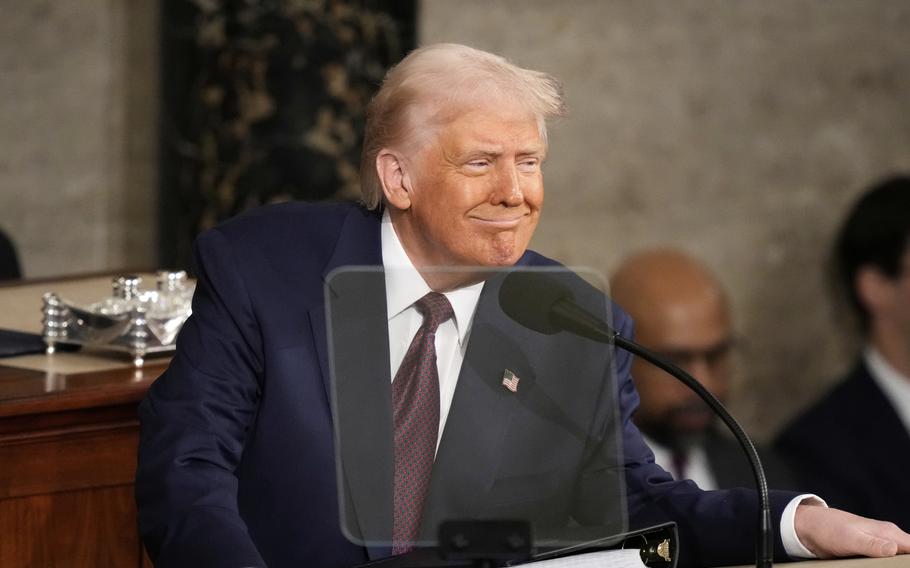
681,311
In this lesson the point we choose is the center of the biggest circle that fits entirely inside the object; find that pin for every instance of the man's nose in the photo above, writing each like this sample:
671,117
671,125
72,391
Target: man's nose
698,367
508,188
709,373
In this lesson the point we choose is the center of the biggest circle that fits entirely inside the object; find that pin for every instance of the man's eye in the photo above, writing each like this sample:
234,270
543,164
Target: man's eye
529,165
479,163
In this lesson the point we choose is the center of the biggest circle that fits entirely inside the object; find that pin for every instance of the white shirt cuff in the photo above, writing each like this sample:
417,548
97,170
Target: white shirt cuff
792,545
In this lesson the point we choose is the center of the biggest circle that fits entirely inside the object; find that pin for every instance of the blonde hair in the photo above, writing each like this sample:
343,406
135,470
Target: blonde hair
431,85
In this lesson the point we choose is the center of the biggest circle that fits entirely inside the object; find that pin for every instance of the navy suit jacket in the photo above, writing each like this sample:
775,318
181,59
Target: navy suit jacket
852,449
237,459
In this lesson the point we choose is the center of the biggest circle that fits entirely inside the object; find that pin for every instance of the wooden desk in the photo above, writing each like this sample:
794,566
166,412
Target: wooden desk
67,466
68,439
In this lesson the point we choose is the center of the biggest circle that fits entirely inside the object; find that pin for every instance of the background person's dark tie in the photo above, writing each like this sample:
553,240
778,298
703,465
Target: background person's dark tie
415,398
680,464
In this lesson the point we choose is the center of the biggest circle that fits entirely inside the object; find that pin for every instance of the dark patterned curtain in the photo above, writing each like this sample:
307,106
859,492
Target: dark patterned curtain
264,101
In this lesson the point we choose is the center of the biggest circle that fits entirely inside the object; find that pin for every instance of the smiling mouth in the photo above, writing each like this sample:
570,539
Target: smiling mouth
501,223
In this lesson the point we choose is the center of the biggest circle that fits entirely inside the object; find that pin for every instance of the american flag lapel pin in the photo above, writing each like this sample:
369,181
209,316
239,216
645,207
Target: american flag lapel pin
510,380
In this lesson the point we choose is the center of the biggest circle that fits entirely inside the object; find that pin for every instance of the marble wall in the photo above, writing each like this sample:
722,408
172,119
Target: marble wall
78,88
739,131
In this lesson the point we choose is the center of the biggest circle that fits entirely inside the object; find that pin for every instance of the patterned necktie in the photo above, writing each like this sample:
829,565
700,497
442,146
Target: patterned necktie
415,398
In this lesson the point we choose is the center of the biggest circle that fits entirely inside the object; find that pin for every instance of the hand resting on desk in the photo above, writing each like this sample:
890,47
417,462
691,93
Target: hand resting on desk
830,533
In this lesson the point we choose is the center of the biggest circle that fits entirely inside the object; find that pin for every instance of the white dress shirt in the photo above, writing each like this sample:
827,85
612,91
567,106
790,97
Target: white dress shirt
698,469
404,285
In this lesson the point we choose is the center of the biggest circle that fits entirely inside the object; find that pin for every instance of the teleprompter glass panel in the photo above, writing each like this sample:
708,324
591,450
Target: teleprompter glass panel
530,431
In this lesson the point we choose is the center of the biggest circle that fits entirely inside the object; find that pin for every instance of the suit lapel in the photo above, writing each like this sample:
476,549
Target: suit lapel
359,244
316,316
351,339
362,403
556,392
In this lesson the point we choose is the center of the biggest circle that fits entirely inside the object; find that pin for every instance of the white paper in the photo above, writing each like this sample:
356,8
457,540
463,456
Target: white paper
628,558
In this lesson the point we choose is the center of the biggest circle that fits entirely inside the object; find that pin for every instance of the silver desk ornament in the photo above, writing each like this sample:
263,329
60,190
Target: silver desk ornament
131,320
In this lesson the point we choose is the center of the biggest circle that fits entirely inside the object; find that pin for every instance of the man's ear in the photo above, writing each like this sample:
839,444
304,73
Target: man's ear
393,175
874,288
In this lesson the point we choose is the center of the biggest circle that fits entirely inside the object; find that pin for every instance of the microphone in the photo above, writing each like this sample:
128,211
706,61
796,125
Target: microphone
540,302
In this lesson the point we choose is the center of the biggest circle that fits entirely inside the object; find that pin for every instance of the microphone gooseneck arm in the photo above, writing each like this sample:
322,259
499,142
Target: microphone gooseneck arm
764,546
568,315
541,303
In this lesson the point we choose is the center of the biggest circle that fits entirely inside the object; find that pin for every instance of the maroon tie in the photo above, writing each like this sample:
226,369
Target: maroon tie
680,463
415,398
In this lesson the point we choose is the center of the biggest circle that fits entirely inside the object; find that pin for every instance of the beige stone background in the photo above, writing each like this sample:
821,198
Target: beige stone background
78,113
737,130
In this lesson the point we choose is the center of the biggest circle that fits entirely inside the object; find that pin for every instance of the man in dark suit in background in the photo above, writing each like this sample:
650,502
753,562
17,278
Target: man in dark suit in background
237,458
681,312
853,445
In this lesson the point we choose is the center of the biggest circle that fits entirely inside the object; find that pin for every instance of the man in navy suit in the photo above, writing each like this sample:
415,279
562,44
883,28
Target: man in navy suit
237,461
853,445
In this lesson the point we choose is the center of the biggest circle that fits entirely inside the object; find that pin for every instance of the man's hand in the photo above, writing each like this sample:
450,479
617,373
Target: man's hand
830,533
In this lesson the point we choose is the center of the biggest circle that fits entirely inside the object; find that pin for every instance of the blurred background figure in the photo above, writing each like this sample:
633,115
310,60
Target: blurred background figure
9,259
853,446
681,312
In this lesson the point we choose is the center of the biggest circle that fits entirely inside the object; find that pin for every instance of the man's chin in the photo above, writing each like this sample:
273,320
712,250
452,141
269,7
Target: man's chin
504,260
506,249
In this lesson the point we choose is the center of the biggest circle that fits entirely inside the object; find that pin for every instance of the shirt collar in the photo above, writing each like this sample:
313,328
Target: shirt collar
404,285
895,385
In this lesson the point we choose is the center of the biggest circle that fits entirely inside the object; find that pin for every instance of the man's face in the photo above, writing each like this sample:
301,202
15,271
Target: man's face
697,337
899,301
476,190
887,300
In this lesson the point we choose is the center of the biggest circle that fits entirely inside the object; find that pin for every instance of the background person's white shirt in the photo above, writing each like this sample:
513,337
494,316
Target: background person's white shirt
698,468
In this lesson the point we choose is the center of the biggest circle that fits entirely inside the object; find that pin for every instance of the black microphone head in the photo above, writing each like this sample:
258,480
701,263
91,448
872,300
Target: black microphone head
529,296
